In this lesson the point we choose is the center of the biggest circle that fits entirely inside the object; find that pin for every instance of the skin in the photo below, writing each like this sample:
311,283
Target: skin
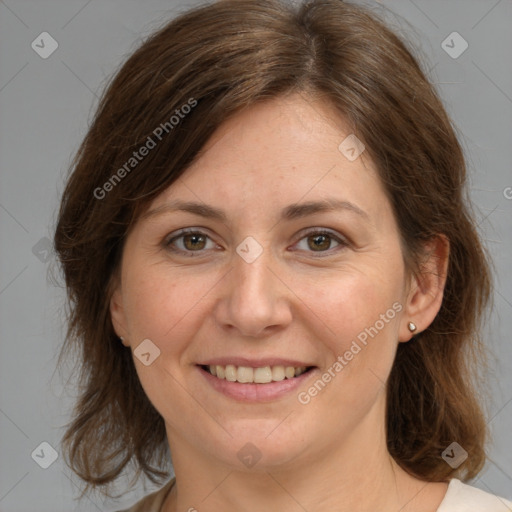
294,300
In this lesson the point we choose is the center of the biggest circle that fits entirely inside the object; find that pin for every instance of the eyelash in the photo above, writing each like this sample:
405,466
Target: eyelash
314,231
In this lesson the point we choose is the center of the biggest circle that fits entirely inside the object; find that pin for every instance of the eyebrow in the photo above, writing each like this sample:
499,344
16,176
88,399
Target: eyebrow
291,212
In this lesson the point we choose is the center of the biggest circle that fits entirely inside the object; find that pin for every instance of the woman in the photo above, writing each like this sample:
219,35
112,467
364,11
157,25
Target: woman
273,274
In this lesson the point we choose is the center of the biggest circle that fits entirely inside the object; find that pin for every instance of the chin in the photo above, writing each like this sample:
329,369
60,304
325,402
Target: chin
257,445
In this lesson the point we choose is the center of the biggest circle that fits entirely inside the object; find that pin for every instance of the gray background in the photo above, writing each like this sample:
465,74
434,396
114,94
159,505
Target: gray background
45,107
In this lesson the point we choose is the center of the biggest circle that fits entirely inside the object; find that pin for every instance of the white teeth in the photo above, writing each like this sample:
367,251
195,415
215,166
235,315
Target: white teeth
263,375
278,373
289,372
231,373
300,371
245,374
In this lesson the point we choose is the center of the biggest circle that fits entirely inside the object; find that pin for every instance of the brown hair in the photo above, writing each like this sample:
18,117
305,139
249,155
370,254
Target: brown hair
226,56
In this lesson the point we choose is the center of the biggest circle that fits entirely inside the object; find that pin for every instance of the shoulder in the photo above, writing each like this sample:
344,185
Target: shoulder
461,497
152,502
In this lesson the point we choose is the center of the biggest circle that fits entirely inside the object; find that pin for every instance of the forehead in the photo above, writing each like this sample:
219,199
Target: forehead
281,151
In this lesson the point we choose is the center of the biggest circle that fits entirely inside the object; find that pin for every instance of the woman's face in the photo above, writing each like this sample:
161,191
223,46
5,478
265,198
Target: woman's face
293,260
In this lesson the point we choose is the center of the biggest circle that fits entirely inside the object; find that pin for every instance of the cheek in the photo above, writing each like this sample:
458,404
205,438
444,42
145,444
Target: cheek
162,302
350,303
358,314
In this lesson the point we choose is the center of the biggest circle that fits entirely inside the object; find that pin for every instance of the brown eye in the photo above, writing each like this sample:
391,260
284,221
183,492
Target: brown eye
321,241
194,242
188,242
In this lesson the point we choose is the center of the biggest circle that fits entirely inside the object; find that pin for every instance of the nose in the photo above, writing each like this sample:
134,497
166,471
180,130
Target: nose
254,301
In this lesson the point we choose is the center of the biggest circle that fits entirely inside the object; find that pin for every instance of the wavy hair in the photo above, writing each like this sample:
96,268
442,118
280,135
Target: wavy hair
227,56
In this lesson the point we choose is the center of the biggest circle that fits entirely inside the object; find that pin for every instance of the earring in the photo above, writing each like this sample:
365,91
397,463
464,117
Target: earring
412,326
121,338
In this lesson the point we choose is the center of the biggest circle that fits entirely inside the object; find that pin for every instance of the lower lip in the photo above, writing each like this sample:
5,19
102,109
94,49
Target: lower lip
256,392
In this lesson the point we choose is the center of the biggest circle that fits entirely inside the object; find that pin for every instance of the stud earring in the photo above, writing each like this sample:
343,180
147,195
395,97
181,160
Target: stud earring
412,326
121,338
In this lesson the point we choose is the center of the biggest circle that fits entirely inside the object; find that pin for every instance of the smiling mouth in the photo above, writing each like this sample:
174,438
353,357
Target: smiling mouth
248,375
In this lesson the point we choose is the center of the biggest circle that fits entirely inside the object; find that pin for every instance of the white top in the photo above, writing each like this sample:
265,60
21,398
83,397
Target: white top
459,497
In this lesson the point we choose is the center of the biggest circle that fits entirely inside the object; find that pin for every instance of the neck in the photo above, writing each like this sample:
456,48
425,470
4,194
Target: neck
356,473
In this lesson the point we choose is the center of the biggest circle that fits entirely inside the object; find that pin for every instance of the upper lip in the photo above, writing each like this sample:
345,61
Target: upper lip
254,363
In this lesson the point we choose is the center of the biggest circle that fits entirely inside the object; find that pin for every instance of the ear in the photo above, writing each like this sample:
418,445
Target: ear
117,314
426,290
